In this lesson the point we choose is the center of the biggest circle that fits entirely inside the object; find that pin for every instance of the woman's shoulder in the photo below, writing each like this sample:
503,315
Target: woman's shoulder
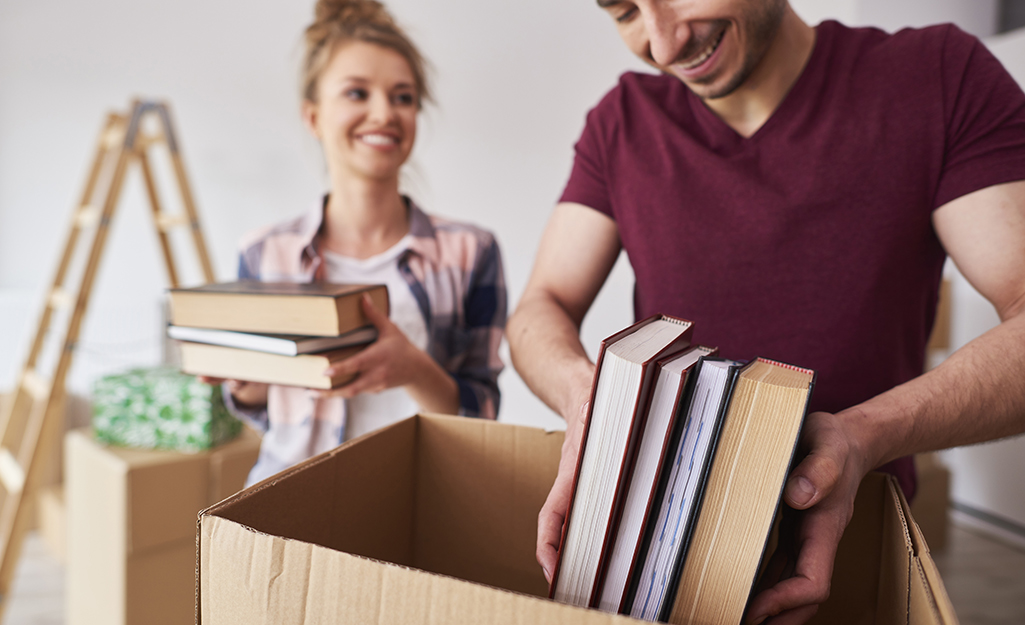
452,242
299,230
465,228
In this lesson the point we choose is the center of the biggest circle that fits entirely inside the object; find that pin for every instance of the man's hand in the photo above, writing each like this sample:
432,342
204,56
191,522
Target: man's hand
553,514
821,490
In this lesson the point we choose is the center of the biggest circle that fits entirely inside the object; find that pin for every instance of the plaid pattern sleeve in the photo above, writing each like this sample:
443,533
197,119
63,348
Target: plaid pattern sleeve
484,314
455,271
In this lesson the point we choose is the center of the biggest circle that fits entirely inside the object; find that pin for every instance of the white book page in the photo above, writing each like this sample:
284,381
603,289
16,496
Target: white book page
644,480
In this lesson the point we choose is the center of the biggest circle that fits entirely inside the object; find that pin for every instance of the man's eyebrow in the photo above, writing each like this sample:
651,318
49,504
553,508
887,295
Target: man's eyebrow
604,4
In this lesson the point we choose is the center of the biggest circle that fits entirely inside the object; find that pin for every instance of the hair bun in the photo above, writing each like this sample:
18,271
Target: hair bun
348,12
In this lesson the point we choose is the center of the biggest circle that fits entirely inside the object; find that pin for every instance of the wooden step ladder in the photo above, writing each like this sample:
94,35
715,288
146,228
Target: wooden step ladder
32,423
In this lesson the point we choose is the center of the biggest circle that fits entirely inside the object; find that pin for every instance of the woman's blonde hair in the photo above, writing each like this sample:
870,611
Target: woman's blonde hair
337,22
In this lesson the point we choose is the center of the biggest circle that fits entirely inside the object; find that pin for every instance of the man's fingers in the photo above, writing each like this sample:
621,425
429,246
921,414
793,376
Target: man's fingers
549,533
813,480
819,535
816,476
797,616
790,597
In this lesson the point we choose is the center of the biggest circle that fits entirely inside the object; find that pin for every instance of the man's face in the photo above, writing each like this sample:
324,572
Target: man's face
711,45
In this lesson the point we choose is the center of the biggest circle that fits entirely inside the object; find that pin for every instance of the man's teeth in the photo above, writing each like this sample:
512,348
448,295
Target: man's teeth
379,139
707,52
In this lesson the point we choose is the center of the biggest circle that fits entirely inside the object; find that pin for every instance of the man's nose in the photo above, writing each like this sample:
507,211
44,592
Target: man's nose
668,33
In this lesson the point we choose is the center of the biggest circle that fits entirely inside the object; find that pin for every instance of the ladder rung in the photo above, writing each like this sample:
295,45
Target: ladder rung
88,216
114,136
144,141
36,385
11,474
61,299
167,222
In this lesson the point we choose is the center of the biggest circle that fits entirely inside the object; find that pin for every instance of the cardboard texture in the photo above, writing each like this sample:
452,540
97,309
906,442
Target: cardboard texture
131,514
53,525
433,521
931,505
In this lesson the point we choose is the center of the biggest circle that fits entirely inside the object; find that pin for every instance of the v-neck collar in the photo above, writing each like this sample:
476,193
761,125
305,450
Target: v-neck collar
725,136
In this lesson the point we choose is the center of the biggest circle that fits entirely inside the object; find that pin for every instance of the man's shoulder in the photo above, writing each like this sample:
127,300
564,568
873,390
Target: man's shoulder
636,91
916,42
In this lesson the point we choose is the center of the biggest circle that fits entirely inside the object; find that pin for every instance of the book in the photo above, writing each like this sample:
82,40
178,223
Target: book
680,489
745,484
305,370
669,392
284,344
620,393
313,309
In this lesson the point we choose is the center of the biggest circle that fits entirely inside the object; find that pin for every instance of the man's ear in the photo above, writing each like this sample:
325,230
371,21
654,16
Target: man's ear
309,115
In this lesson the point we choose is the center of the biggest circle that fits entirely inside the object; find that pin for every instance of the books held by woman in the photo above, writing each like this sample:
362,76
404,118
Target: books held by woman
679,477
272,332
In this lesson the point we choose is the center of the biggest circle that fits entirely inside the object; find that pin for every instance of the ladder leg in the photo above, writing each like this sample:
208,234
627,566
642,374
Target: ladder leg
32,422
42,438
27,433
154,202
186,196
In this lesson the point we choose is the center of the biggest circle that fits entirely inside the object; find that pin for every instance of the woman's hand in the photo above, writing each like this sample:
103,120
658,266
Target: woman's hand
247,394
392,361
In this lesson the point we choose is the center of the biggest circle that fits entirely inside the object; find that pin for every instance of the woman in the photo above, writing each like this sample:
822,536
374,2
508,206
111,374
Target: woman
363,86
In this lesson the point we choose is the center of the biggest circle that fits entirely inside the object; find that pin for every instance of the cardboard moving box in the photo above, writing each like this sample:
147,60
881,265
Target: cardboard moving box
131,514
433,521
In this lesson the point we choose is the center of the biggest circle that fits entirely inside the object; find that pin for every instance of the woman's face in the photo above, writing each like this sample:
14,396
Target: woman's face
365,113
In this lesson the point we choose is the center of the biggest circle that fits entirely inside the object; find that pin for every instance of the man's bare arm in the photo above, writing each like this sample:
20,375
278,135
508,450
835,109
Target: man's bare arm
577,251
975,395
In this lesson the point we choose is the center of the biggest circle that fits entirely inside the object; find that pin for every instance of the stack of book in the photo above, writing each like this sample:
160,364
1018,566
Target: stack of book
279,333
679,478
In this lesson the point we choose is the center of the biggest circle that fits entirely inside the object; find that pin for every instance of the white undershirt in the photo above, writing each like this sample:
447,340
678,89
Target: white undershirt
368,411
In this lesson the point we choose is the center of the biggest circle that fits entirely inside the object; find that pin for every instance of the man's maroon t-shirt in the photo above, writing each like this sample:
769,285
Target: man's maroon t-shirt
810,242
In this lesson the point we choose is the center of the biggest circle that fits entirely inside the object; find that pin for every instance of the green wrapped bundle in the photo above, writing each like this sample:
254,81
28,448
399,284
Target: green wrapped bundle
161,408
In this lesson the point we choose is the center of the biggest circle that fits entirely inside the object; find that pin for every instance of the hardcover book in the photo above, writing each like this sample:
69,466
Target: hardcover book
305,370
312,309
284,344
745,483
620,394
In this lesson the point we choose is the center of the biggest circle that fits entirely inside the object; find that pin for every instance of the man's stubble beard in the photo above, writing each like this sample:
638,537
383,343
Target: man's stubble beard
763,29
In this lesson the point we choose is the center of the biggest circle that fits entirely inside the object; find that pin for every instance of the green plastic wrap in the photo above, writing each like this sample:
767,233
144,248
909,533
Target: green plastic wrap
161,408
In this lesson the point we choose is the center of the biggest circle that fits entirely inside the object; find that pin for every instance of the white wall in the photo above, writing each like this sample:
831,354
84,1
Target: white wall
978,17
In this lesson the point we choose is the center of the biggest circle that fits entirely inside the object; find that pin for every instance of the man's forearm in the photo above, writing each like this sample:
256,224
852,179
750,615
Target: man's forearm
975,395
546,351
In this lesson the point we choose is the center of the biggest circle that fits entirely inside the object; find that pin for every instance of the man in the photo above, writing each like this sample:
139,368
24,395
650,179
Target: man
794,191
